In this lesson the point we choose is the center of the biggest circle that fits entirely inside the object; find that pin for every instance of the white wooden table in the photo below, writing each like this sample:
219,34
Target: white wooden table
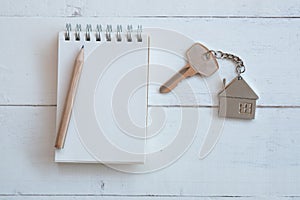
253,160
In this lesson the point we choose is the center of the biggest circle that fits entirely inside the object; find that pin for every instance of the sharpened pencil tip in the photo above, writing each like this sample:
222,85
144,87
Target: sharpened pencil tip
82,46
164,89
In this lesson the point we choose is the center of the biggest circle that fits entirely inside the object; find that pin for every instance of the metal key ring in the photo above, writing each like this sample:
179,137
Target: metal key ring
216,54
240,69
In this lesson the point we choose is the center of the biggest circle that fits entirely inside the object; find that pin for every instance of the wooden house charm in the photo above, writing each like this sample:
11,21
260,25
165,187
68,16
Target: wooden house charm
237,100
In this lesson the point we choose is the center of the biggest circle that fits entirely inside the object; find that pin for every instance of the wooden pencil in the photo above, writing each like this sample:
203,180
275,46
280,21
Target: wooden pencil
66,115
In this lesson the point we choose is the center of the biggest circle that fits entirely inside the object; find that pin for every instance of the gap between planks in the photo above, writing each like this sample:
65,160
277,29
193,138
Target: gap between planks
210,17
138,195
121,195
159,16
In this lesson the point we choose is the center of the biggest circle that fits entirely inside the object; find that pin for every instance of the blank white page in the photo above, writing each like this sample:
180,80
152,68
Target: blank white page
108,121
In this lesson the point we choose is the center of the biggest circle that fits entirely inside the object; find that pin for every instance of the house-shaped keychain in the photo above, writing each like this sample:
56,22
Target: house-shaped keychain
237,100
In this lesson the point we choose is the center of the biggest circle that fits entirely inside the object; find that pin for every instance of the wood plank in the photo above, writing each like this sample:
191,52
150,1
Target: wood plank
269,47
257,157
141,197
78,8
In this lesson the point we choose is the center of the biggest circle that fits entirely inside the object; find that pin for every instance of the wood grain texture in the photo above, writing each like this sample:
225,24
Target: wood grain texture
256,158
133,8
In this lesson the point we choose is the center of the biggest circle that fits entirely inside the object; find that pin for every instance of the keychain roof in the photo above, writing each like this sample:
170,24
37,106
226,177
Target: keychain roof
238,88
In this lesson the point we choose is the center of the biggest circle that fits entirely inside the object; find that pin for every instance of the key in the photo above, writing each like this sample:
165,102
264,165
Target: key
200,61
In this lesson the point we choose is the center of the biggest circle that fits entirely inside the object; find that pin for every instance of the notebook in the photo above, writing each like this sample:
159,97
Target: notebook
108,121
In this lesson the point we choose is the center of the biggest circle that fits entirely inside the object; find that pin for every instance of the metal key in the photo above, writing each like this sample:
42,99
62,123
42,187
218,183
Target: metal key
200,61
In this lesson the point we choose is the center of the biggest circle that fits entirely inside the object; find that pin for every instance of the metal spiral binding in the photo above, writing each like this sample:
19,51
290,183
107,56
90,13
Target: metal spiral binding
119,30
98,32
108,32
129,36
139,33
77,32
68,30
129,32
88,32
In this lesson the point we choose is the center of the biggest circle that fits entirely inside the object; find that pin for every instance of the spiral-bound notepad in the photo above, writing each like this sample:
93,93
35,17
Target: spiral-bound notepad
108,121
